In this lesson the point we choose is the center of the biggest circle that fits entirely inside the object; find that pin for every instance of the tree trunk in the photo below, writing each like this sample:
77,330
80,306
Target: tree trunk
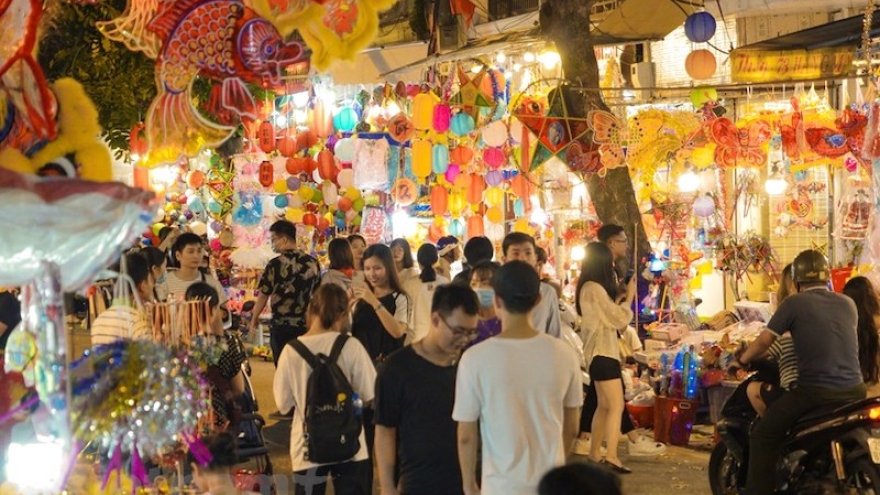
567,24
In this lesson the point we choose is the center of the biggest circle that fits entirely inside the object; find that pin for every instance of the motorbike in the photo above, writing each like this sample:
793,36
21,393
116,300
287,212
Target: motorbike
833,448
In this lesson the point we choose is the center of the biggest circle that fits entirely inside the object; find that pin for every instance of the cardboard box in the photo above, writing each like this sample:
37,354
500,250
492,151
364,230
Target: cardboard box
669,332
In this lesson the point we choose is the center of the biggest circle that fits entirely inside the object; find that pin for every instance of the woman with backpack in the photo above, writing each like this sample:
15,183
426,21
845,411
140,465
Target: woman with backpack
324,376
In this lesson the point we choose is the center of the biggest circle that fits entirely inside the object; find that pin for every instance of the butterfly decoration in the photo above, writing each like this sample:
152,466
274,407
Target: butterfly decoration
740,146
610,133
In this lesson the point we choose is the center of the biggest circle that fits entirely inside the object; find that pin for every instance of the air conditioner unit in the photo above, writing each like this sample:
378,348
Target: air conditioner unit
452,34
642,74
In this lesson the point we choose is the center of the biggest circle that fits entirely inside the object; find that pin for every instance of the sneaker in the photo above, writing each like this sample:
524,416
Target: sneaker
645,447
582,447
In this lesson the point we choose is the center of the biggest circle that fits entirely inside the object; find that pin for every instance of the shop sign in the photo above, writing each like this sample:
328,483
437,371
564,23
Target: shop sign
790,65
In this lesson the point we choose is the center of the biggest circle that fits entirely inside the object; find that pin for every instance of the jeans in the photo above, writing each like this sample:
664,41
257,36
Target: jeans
349,478
279,336
769,433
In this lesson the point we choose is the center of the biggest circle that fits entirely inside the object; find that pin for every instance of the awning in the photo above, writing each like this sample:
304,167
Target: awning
372,65
821,52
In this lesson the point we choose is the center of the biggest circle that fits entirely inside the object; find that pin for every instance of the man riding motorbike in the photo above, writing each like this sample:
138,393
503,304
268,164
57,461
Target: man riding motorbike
823,327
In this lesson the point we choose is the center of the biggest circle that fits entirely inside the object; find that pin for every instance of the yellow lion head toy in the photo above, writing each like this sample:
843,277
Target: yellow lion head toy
77,151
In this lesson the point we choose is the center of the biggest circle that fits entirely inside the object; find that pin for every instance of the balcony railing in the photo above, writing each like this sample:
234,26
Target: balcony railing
500,9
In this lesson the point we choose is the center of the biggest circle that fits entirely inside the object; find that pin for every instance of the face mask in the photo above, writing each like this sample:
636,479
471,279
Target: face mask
486,297
161,279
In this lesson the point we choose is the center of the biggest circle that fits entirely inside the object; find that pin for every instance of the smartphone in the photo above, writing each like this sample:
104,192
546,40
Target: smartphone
358,279
629,275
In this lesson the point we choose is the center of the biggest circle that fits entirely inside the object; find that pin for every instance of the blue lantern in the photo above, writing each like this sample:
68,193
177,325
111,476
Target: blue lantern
699,27
281,201
456,228
462,124
440,159
345,119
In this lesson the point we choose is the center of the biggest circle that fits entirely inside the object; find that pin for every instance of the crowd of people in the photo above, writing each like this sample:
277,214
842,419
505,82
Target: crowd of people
471,375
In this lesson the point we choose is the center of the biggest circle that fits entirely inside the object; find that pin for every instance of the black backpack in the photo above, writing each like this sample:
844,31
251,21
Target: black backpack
332,428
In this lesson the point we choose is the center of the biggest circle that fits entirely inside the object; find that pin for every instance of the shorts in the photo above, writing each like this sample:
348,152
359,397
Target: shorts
770,393
604,368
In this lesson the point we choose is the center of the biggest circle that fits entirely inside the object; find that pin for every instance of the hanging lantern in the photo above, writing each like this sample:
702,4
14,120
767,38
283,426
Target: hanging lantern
494,177
266,136
293,183
495,134
423,111
461,155
700,64
345,119
456,228
475,190
495,215
344,150
280,186
462,124
440,159
345,178
704,207
267,173
699,27
522,187
421,158
331,193
494,196
442,118
404,192
494,157
400,128
439,200
195,179
137,140
294,165
452,173
323,119
519,208
306,139
475,226
287,143
327,165
455,204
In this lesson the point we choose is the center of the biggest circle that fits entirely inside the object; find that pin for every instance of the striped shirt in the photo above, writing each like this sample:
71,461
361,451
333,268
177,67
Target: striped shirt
175,287
782,351
119,322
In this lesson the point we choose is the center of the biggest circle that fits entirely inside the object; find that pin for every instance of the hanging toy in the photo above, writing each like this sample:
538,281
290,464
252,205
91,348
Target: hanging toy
267,173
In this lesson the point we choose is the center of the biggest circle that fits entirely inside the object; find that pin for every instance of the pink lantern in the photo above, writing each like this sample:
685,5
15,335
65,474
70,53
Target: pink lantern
494,157
452,173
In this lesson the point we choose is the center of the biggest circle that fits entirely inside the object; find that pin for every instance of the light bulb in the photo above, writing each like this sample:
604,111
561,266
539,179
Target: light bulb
500,58
578,253
688,182
549,59
281,121
301,99
529,57
517,66
775,186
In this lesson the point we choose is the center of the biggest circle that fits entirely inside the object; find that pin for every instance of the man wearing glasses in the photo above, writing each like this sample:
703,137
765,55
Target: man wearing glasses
520,391
414,396
614,236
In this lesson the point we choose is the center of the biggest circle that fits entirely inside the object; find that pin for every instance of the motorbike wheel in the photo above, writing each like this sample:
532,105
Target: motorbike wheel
862,477
724,471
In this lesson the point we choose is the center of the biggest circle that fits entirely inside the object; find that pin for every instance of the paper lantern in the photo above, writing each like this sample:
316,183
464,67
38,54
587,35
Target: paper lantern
442,118
522,225
331,193
493,83
440,159
310,219
344,204
400,128
267,173
701,95
452,173
358,205
327,165
266,136
323,119
519,208
306,139
494,157
456,228
462,181
461,155
344,150
421,158
455,204
280,186
404,192
306,193
198,228
345,178
704,207
495,134
309,165
699,27
345,119
439,200
522,187
462,124
474,194
700,64
495,215
195,179
423,111
281,201
494,196
475,226
494,177
287,143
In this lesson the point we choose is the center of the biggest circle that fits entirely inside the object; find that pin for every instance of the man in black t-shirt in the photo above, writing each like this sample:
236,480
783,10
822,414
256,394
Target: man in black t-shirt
10,315
415,392
823,329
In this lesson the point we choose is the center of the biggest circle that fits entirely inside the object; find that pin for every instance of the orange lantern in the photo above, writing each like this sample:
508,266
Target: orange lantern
267,173
309,166
474,194
327,165
310,219
137,140
462,181
294,165
266,136
195,179
307,139
436,230
475,226
404,192
323,119
422,156
439,200
461,155
700,64
287,143
522,187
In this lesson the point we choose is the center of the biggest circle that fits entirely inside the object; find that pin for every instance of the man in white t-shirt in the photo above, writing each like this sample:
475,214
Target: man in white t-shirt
521,390
545,315
124,319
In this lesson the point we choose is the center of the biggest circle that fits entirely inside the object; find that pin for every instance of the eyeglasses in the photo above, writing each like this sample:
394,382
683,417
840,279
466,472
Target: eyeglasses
459,331
624,240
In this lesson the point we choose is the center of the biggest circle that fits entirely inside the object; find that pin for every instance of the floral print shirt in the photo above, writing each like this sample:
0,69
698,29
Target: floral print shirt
289,280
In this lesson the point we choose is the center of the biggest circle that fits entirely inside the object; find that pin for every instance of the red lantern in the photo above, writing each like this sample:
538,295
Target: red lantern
475,189
439,200
309,165
287,143
137,141
306,139
323,123
267,173
294,165
310,219
522,187
475,226
462,155
266,136
327,165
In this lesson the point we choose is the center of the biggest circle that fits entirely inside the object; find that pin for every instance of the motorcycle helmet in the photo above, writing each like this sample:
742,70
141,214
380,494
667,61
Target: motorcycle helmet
810,266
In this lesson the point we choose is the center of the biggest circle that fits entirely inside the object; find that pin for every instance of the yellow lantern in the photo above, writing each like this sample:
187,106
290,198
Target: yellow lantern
280,186
495,215
494,197
423,111
421,158
294,215
455,203
522,225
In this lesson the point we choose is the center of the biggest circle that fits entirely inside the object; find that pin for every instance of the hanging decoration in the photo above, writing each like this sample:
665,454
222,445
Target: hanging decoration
699,27
700,64
610,133
556,129
740,145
